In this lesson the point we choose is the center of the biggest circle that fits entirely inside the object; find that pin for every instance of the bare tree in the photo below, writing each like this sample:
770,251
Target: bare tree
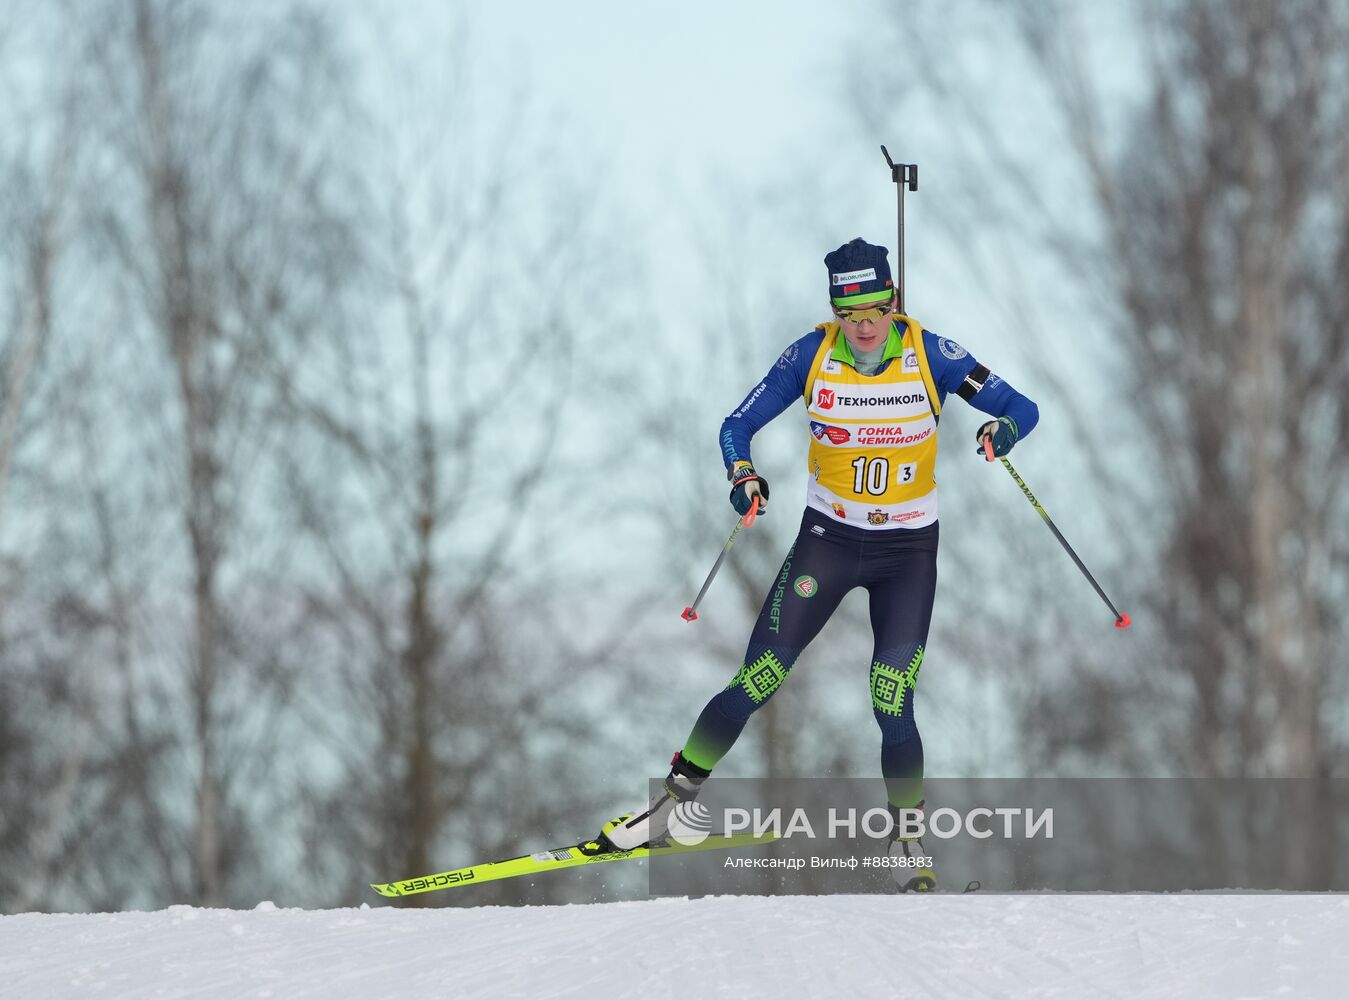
41,162
422,478
1205,228
38,207
422,619
216,186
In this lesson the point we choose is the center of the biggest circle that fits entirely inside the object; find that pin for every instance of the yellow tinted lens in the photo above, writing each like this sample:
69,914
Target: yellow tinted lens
875,314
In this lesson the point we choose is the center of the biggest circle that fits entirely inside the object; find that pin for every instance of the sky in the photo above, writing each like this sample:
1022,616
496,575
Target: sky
743,128
697,117
673,91
676,106
690,123
740,128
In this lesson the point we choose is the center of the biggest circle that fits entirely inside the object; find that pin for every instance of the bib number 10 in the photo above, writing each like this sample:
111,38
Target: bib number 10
872,475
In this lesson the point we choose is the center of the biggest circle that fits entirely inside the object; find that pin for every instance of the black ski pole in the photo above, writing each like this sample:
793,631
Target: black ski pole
1121,620
691,612
903,174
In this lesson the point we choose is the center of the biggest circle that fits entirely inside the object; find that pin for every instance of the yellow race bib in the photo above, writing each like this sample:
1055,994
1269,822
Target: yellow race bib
873,448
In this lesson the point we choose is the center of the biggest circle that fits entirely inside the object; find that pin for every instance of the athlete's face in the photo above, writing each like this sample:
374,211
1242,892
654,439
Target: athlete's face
866,334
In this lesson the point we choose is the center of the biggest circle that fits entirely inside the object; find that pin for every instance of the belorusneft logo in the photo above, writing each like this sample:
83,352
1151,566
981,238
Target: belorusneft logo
1010,823
854,277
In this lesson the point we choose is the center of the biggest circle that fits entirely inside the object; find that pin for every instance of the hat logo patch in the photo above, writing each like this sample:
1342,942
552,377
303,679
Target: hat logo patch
853,277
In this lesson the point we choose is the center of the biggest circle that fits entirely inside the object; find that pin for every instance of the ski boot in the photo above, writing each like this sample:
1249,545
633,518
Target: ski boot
911,864
643,827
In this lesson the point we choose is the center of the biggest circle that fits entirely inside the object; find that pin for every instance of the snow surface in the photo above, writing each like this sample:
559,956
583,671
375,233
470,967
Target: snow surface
1076,946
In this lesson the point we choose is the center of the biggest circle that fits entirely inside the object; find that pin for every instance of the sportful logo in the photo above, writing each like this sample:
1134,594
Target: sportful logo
853,277
824,399
758,391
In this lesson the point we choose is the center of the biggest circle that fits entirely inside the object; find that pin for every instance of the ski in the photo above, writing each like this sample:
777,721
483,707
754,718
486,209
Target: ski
588,853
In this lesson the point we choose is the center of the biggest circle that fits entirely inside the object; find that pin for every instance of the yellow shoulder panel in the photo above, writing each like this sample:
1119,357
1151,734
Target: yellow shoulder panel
826,347
913,333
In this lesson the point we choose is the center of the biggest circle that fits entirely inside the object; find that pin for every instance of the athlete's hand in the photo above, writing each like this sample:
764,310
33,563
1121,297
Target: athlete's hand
746,484
1002,432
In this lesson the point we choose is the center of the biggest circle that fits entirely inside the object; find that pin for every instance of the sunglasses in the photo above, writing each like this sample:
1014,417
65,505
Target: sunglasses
863,313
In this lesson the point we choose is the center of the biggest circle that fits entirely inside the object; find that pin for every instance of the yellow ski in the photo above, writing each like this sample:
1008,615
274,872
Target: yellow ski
589,853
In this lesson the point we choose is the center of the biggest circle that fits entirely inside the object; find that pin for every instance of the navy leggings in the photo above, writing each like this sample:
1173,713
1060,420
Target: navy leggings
898,568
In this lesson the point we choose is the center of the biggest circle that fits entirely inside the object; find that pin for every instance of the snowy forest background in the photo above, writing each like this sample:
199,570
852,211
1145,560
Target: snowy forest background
358,438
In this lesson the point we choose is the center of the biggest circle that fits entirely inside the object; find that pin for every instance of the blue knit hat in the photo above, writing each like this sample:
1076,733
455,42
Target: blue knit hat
859,272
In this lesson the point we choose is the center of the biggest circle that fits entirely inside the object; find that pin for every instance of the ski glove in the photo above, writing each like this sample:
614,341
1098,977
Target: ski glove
1004,433
746,484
